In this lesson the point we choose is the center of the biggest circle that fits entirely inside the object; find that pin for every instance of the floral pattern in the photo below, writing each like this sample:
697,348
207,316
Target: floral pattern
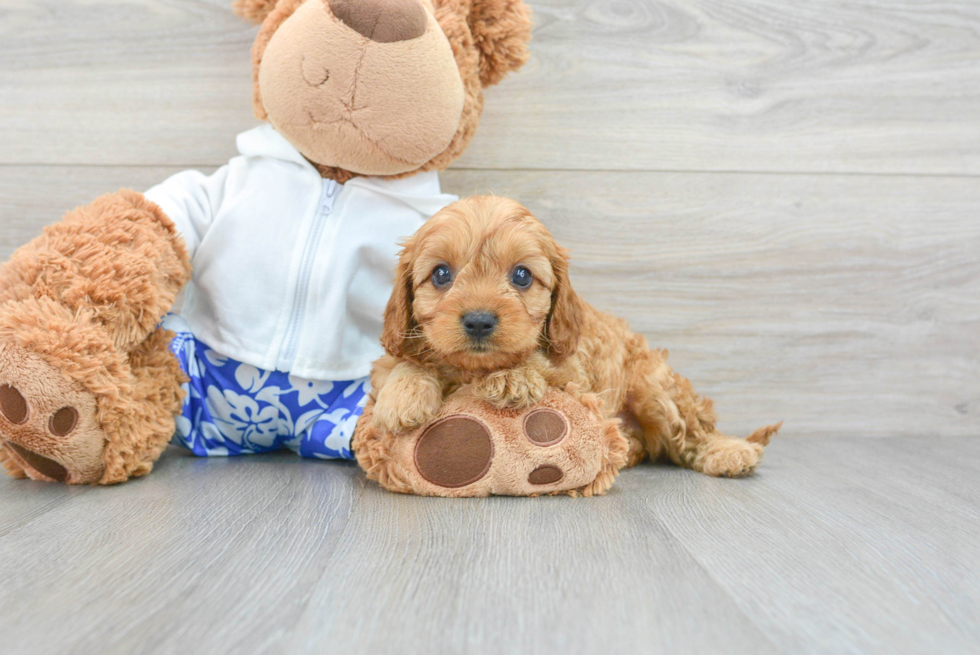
237,409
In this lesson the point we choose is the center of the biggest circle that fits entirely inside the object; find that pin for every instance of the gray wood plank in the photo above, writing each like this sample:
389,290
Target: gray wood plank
25,503
148,81
840,545
878,86
837,545
507,575
204,556
841,304
32,197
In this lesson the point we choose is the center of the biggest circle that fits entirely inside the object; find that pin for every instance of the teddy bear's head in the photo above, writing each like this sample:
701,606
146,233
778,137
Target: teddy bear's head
381,87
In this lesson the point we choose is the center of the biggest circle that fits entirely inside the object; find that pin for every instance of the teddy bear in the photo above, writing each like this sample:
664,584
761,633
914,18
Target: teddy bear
240,312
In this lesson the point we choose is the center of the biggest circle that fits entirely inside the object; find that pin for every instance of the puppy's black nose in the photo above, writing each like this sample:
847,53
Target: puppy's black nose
479,325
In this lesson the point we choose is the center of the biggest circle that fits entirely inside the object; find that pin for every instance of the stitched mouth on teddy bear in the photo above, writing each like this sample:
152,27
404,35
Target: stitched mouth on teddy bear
46,467
348,123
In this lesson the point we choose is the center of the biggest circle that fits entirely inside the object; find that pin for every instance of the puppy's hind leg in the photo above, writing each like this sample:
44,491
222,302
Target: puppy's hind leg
679,423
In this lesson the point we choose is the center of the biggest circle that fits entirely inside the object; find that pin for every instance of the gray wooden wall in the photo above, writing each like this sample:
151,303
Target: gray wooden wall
784,193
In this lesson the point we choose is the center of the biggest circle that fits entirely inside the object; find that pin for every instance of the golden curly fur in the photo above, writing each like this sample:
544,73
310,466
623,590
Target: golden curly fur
545,335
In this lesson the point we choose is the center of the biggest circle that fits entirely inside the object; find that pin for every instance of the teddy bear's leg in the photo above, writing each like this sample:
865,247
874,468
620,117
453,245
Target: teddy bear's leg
562,445
373,449
231,408
87,385
680,424
71,408
327,415
143,431
49,424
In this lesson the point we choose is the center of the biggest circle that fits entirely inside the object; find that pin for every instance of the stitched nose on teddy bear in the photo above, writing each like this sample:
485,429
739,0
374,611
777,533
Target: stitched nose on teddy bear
384,21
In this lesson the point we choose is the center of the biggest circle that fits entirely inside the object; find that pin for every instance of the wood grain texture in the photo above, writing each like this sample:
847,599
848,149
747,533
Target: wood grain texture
884,526
840,304
211,555
508,576
882,86
837,545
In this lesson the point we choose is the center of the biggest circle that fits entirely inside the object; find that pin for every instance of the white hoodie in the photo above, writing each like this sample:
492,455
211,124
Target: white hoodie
292,271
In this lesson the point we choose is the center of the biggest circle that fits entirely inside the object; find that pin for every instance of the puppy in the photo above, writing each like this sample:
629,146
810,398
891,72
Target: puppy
482,297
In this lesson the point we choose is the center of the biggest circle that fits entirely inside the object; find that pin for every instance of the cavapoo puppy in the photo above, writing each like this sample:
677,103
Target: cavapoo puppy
482,297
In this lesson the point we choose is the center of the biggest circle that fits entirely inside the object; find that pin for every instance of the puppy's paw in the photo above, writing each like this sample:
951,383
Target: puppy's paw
729,458
407,403
517,388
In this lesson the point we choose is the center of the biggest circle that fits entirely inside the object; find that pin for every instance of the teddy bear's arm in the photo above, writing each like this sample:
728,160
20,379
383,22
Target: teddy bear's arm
118,259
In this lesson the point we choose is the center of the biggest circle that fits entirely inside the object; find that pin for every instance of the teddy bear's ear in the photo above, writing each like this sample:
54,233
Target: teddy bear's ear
501,31
253,10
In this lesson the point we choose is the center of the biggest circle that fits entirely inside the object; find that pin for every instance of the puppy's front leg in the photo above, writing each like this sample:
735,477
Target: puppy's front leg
411,396
518,387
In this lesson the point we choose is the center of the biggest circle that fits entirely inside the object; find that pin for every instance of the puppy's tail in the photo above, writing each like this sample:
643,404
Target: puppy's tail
763,435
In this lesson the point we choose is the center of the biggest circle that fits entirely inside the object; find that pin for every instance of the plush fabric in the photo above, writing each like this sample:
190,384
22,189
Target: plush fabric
78,328
382,21
487,39
502,454
369,107
254,11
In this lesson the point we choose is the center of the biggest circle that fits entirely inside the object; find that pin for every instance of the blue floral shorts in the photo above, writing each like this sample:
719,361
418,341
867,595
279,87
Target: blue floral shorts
236,409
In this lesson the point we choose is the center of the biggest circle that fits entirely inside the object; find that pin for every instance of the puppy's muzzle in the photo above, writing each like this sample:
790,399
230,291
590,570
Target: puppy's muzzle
479,325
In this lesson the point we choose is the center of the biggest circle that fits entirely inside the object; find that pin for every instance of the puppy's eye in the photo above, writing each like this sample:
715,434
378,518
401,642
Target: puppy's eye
442,276
521,277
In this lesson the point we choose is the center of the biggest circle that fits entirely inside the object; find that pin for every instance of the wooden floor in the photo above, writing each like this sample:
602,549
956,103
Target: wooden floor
784,193
838,545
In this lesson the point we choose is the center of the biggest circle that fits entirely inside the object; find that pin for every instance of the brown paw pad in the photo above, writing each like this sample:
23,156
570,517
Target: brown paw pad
454,452
13,405
545,475
39,463
545,427
63,421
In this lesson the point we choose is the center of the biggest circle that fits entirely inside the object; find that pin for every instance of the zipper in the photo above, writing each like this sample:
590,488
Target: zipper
324,210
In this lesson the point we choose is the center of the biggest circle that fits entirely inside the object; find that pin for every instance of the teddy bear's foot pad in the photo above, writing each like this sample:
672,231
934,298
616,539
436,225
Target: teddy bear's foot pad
475,449
454,452
28,460
49,428
458,450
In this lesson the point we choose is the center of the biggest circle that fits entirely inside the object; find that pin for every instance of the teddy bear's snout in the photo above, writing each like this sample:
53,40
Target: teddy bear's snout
384,21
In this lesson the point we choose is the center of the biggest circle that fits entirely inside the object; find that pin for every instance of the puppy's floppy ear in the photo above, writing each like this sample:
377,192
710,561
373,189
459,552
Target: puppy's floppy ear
501,31
399,321
562,328
253,10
